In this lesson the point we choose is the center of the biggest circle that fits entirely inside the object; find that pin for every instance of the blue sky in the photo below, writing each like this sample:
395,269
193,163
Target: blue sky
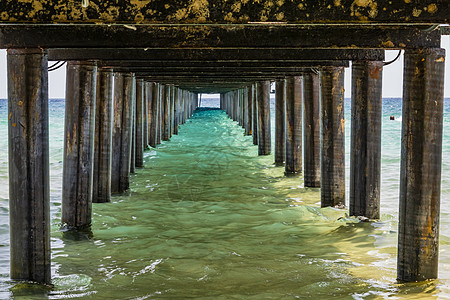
392,76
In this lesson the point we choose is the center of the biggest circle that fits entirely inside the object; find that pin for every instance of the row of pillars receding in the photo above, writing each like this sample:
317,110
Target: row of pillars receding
130,101
110,119
321,94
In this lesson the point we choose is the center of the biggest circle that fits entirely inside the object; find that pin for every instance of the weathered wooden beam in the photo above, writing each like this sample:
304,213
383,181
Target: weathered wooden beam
248,125
79,145
218,67
421,162
103,137
294,102
147,100
264,134
311,111
365,152
280,122
218,36
215,56
139,123
29,196
153,115
255,115
222,11
332,181
122,131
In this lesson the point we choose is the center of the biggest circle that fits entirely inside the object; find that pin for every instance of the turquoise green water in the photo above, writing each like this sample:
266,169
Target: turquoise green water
207,218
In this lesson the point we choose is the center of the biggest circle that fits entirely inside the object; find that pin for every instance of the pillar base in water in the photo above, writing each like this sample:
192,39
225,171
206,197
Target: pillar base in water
421,160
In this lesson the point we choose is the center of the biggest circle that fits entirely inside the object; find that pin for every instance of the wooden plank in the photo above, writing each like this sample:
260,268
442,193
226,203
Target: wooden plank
223,11
218,36
215,56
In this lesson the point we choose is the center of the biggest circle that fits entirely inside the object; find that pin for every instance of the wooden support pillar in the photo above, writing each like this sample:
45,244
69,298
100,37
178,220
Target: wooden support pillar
235,105
146,101
81,85
311,112
280,121
153,115
264,141
221,101
166,114
103,137
176,99
248,124
160,113
122,131
244,109
365,157
332,181
241,107
421,155
139,137
29,197
172,110
294,125
133,135
255,115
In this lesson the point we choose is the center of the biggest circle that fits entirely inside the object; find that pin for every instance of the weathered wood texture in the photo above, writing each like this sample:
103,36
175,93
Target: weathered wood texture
311,112
103,137
239,57
153,115
255,115
122,131
332,181
133,131
365,156
146,100
171,109
139,161
160,113
222,11
78,166
421,156
176,110
248,125
166,113
264,135
29,197
220,36
280,121
294,97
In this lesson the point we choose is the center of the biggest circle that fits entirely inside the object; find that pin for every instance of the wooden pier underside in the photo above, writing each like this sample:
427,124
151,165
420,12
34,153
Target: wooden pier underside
177,48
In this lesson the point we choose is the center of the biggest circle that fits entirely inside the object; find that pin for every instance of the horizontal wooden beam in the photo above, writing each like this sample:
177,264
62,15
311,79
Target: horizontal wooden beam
225,11
218,36
218,68
173,56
